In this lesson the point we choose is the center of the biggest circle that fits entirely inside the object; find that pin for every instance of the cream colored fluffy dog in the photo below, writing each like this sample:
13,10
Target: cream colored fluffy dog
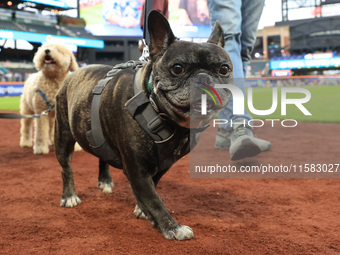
53,62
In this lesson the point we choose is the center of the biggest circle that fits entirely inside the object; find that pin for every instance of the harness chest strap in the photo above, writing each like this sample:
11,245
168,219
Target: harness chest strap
140,108
148,118
95,136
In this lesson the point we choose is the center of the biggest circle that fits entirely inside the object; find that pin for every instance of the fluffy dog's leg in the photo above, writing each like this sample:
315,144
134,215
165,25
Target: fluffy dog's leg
26,133
51,130
104,178
26,124
41,135
64,147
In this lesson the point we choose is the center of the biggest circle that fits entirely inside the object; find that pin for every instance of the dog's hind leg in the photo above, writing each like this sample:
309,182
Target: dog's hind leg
41,135
105,183
26,133
64,147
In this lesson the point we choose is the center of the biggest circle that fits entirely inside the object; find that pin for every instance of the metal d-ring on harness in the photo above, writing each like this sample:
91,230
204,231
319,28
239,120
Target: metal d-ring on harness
51,108
172,141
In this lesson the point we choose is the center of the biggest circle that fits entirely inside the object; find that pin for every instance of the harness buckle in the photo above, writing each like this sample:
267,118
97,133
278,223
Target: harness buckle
98,89
155,125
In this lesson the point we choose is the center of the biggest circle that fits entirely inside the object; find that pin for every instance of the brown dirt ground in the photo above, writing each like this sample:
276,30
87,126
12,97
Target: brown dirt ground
228,216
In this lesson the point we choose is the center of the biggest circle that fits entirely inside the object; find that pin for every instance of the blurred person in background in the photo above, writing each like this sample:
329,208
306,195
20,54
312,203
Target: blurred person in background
160,5
124,13
239,20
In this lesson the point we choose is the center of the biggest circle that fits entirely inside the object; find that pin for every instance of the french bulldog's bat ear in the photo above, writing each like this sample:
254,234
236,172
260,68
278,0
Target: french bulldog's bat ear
217,35
161,35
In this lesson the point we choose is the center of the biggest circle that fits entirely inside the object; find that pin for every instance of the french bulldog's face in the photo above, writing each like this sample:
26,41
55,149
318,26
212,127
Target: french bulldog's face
183,71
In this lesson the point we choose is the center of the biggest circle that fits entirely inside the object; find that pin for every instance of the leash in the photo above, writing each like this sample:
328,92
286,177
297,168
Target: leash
51,108
48,103
147,9
146,37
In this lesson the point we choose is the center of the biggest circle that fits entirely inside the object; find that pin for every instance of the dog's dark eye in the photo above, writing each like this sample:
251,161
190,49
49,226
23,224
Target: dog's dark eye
177,69
224,69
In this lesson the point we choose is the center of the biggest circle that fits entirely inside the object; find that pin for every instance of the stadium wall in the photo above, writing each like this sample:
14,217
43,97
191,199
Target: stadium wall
11,88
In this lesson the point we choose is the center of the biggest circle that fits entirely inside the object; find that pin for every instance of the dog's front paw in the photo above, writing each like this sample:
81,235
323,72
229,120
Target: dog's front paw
40,150
179,233
70,201
139,213
25,142
105,187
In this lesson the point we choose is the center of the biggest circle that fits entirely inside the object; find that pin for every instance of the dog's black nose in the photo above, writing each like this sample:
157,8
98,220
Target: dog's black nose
47,51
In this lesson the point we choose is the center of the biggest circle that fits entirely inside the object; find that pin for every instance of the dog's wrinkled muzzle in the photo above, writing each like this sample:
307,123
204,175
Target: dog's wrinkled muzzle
204,94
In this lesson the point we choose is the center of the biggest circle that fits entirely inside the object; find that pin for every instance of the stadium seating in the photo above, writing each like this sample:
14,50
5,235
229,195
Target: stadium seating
9,25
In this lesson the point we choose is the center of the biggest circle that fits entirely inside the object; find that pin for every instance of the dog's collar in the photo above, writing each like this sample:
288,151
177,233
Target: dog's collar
150,85
152,97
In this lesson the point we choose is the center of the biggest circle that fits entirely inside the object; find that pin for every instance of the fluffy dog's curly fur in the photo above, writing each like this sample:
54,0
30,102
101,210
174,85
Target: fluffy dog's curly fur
53,62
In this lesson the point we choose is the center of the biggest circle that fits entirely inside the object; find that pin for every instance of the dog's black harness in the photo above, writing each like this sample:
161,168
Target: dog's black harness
168,135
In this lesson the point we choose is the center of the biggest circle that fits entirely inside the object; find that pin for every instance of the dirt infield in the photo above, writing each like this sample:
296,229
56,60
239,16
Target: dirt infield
228,216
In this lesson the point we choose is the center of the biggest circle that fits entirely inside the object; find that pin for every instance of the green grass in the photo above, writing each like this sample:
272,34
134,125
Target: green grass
92,15
324,104
10,103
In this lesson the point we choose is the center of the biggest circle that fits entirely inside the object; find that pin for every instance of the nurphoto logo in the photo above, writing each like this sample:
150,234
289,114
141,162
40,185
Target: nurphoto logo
239,102
204,96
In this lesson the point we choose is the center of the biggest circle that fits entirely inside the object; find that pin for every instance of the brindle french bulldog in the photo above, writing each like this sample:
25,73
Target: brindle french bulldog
172,66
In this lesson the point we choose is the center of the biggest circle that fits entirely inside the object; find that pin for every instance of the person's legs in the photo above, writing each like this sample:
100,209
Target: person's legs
251,12
229,15
239,20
